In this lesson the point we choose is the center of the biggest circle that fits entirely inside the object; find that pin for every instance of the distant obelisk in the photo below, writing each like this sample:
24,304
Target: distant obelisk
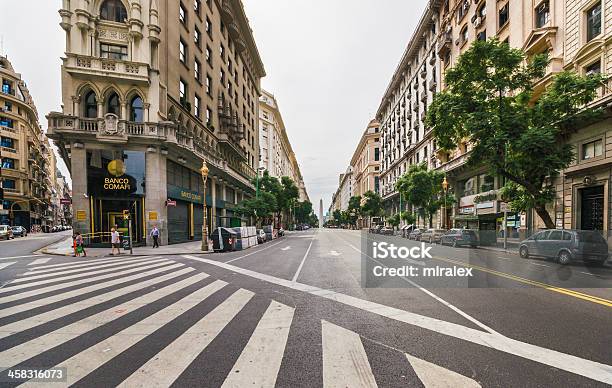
321,213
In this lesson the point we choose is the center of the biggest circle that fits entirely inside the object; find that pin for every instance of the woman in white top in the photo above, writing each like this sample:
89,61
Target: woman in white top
115,242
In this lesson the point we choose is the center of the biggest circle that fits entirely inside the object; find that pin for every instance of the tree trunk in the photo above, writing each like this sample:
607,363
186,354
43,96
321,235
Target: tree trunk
543,213
431,221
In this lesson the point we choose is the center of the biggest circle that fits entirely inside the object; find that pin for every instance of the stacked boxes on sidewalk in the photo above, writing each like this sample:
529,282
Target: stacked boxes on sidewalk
245,237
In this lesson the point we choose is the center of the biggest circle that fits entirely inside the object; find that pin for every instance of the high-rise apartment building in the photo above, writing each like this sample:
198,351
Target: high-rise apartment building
150,90
27,159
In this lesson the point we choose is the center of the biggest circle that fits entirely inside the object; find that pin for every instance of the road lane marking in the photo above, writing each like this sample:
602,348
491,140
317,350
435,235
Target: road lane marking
286,248
254,252
61,312
5,312
345,362
431,294
504,258
35,346
334,253
539,265
260,360
587,273
167,365
90,359
565,291
297,273
10,287
40,261
39,291
4,265
567,362
17,257
432,375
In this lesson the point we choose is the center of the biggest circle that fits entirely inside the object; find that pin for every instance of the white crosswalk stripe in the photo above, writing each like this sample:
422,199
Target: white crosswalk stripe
168,364
4,265
83,263
260,361
38,291
112,333
40,261
345,363
11,288
80,271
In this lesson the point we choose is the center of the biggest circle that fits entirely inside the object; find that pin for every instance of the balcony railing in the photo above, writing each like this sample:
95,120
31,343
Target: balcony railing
107,67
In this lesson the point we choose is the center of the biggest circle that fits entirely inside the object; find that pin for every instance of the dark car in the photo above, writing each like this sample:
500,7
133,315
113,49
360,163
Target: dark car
460,238
19,231
566,246
416,234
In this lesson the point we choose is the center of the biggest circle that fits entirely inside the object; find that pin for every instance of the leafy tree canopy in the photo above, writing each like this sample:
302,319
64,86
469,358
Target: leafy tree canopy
490,102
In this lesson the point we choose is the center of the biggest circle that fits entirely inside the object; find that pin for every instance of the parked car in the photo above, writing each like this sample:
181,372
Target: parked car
19,231
6,233
566,246
387,231
432,235
416,234
261,236
460,237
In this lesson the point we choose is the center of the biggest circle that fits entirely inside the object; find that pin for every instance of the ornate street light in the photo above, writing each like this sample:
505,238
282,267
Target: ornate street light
204,171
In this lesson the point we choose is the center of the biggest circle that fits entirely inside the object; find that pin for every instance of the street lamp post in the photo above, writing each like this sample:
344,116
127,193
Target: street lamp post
204,171
445,188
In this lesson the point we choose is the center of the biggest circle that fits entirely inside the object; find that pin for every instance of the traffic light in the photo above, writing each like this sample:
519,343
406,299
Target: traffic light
126,214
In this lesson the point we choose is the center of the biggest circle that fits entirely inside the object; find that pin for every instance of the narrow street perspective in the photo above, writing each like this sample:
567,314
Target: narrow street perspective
306,193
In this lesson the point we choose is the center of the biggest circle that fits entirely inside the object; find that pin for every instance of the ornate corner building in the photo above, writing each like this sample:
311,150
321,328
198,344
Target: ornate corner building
150,89
28,165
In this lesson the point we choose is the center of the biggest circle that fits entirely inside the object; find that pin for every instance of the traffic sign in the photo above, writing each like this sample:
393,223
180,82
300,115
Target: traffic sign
170,203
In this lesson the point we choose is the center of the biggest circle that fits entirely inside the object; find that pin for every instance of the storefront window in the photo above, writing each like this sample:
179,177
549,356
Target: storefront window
487,183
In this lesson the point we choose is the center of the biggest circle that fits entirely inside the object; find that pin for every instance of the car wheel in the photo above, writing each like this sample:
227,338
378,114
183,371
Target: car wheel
564,258
524,252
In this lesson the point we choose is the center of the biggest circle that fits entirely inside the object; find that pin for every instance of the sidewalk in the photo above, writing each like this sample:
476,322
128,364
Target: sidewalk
64,248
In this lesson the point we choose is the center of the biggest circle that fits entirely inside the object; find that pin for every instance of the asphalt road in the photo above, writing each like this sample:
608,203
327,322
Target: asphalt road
293,313
20,246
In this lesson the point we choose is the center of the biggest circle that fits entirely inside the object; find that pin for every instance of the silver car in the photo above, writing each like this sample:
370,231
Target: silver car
432,235
566,246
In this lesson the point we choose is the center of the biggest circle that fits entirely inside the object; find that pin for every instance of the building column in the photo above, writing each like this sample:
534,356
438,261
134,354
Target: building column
156,196
100,109
80,201
213,197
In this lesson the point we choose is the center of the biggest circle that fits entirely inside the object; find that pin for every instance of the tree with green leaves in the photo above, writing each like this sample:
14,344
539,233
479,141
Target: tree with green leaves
337,215
423,189
354,209
303,211
394,220
373,205
408,217
490,102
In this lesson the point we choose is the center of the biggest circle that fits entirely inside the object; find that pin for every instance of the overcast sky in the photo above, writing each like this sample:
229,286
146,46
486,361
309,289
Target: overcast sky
328,64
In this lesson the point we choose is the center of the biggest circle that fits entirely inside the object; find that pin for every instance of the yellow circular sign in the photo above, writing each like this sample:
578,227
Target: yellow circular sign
116,168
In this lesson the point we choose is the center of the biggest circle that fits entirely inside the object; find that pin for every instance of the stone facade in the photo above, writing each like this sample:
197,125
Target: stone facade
28,162
157,87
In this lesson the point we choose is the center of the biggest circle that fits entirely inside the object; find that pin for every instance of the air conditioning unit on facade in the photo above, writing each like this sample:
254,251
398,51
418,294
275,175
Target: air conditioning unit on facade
477,22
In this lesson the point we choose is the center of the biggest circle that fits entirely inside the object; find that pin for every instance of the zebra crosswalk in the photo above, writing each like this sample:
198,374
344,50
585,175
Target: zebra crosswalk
155,322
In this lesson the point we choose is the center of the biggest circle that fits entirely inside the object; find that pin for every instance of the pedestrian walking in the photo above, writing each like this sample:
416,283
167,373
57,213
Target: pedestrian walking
155,235
74,245
80,248
115,242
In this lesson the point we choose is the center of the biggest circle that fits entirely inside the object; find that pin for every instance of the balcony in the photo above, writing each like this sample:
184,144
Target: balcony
445,44
88,67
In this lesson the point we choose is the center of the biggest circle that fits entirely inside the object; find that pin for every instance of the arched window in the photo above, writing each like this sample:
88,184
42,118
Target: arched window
112,106
113,10
137,110
91,105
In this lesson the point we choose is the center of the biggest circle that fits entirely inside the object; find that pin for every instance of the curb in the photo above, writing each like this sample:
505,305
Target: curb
45,252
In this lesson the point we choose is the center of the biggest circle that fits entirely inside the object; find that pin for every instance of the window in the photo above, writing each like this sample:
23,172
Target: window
112,105
222,75
197,71
8,106
137,110
556,235
7,142
482,11
463,10
592,149
482,35
9,184
197,6
208,85
7,87
376,154
209,55
182,14
183,89
504,15
197,38
112,51
208,26
542,14
182,52
594,68
222,52
197,105
8,163
208,116
593,21
91,106
464,35
113,10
